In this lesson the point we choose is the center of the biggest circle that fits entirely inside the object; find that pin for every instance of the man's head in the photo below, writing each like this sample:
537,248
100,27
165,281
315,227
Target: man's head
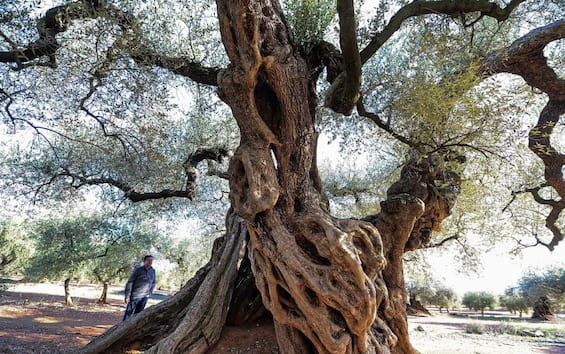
147,261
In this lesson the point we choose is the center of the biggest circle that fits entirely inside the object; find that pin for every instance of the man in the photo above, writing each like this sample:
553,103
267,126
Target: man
139,287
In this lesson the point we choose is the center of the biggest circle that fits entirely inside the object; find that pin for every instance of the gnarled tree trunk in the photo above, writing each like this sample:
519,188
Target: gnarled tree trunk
415,206
320,277
331,285
191,321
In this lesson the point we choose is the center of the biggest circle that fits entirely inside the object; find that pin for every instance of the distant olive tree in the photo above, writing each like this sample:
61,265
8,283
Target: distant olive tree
15,247
64,247
479,301
123,246
444,298
431,293
543,292
89,247
514,302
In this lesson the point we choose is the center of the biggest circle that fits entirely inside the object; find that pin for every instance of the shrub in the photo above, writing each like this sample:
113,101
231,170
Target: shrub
474,328
501,328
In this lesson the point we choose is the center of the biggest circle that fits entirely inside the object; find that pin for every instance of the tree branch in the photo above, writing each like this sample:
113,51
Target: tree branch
444,241
385,125
191,163
129,192
452,8
178,65
190,166
525,57
557,206
58,19
344,92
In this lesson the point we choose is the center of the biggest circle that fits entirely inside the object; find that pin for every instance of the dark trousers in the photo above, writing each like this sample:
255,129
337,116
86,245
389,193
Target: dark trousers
135,306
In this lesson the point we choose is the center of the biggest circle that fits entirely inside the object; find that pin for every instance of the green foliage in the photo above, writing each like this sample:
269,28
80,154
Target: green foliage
514,302
63,248
187,256
479,301
125,245
550,284
87,247
445,297
309,19
15,247
432,293
474,328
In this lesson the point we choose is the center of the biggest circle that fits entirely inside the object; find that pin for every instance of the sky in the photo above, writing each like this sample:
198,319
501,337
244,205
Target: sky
500,270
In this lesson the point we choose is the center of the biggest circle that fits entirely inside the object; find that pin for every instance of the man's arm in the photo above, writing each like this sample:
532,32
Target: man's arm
153,283
129,285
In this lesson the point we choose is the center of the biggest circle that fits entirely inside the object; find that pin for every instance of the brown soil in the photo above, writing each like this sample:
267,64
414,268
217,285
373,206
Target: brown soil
33,319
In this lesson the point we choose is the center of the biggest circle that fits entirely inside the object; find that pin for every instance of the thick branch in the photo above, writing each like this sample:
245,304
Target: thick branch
344,92
58,19
190,166
178,65
525,57
446,7
191,163
128,190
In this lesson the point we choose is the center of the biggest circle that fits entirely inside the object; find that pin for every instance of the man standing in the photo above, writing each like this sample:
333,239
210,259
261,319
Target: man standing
139,286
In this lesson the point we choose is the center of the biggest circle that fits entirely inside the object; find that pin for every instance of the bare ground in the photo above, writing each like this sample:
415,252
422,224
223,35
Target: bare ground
33,319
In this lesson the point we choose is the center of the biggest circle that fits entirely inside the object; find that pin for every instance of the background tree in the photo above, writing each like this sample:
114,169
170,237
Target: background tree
445,297
87,247
15,247
479,301
64,249
271,86
431,293
514,302
543,292
121,246
186,255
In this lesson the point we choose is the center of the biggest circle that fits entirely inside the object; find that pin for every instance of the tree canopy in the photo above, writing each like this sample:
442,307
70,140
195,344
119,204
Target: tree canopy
130,99
479,301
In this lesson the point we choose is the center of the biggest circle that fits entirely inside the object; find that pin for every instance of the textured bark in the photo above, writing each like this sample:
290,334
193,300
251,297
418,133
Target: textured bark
246,304
542,310
415,206
317,275
68,298
191,321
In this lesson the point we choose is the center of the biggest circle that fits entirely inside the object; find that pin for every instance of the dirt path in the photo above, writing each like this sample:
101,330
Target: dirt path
34,320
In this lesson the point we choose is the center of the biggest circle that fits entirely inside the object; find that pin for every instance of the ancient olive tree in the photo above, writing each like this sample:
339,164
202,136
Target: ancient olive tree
331,285
544,293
